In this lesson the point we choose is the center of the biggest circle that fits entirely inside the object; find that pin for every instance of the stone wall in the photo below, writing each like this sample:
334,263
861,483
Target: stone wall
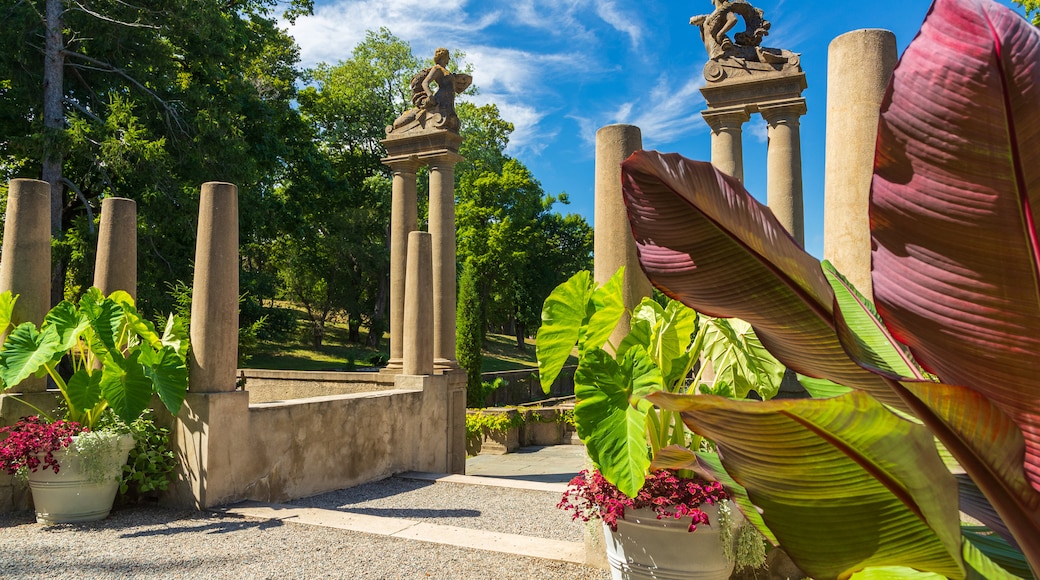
523,387
273,385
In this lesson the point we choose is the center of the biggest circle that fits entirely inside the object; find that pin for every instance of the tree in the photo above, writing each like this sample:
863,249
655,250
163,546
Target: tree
470,334
335,242
147,101
1032,9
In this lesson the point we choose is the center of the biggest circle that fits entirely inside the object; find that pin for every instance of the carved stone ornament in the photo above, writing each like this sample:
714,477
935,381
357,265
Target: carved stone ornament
432,110
743,55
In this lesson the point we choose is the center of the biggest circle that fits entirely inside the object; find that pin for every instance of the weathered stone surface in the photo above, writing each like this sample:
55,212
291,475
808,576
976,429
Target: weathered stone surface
214,304
25,269
859,66
419,340
614,245
115,267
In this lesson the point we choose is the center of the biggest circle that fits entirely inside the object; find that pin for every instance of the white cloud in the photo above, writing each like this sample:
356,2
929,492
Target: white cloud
334,29
668,113
757,129
620,20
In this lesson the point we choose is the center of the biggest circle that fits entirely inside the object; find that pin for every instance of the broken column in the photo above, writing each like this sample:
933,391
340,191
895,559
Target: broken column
214,300
859,66
25,269
614,246
418,307
115,267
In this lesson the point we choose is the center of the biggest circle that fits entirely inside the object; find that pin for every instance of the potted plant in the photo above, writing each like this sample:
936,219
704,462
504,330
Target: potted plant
853,481
633,487
118,361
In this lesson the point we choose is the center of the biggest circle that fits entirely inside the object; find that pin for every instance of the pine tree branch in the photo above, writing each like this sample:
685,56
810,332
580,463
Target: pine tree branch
100,16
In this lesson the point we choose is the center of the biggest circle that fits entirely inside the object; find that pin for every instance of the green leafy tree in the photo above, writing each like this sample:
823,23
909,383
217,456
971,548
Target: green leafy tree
1032,9
470,327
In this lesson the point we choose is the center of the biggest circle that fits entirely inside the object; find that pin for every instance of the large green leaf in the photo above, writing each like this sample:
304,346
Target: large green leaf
563,315
84,389
607,308
704,240
68,322
843,483
7,301
610,419
126,386
739,359
26,352
168,373
176,336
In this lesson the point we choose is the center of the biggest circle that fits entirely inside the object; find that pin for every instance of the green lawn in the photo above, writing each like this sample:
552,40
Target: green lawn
336,353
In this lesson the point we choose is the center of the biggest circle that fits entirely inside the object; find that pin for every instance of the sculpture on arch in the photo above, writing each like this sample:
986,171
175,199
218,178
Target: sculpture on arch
743,54
435,110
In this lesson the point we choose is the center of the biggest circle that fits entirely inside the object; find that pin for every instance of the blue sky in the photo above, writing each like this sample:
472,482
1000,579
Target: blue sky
561,69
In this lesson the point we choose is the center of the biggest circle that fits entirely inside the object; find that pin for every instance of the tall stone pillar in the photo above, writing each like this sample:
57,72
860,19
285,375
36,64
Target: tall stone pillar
403,221
784,165
613,245
859,66
25,269
418,306
115,267
727,148
214,301
442,229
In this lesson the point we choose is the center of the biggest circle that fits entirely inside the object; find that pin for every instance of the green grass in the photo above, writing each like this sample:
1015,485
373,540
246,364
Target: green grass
336,353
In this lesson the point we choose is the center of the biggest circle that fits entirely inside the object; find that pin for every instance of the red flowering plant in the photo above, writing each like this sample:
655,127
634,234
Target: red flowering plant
30,444
589,495
640,452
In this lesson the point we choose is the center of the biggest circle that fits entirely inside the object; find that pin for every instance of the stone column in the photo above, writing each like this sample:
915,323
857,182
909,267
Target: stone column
442,230
613,245
115,267
214,300
25,269
859,66
403,220
784,165
727,149
418,306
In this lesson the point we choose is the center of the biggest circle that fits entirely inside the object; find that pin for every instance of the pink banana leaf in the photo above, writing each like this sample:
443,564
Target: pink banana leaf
954,206
956,251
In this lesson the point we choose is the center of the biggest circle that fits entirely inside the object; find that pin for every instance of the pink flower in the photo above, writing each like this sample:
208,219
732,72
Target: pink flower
32,441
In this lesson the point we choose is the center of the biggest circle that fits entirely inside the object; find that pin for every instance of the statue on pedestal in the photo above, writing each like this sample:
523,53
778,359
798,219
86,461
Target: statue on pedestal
433,110
743,54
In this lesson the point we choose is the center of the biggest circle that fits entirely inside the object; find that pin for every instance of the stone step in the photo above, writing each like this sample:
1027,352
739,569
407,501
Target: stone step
572,552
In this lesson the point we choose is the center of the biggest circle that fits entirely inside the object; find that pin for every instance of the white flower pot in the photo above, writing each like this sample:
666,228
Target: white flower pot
72,495
646,547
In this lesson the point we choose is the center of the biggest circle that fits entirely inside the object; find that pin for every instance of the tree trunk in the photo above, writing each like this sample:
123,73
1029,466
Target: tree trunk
54,122
521,335
377,323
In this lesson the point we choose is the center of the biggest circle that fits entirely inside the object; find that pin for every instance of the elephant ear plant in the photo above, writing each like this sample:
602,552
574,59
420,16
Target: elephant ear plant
118,361
855,482
622,431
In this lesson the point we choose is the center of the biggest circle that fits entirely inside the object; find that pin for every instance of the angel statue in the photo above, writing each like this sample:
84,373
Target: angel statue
430,108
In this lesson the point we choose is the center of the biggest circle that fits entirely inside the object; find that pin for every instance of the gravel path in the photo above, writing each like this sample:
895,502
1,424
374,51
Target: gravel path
497,509
151,542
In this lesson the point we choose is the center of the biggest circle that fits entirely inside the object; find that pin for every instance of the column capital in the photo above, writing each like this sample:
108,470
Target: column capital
443,158
783,111
726,119
403,163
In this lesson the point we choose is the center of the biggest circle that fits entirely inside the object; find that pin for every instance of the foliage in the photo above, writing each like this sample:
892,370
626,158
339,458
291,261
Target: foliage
613,418
155,98
100,454
118,359
479,423
954,276
31,443
470,326
150,463
1032,9
589,495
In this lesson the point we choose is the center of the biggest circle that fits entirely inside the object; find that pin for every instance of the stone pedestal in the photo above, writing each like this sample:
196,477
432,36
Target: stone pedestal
859,66
115,267
25,269
784,162
214,304
614,246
